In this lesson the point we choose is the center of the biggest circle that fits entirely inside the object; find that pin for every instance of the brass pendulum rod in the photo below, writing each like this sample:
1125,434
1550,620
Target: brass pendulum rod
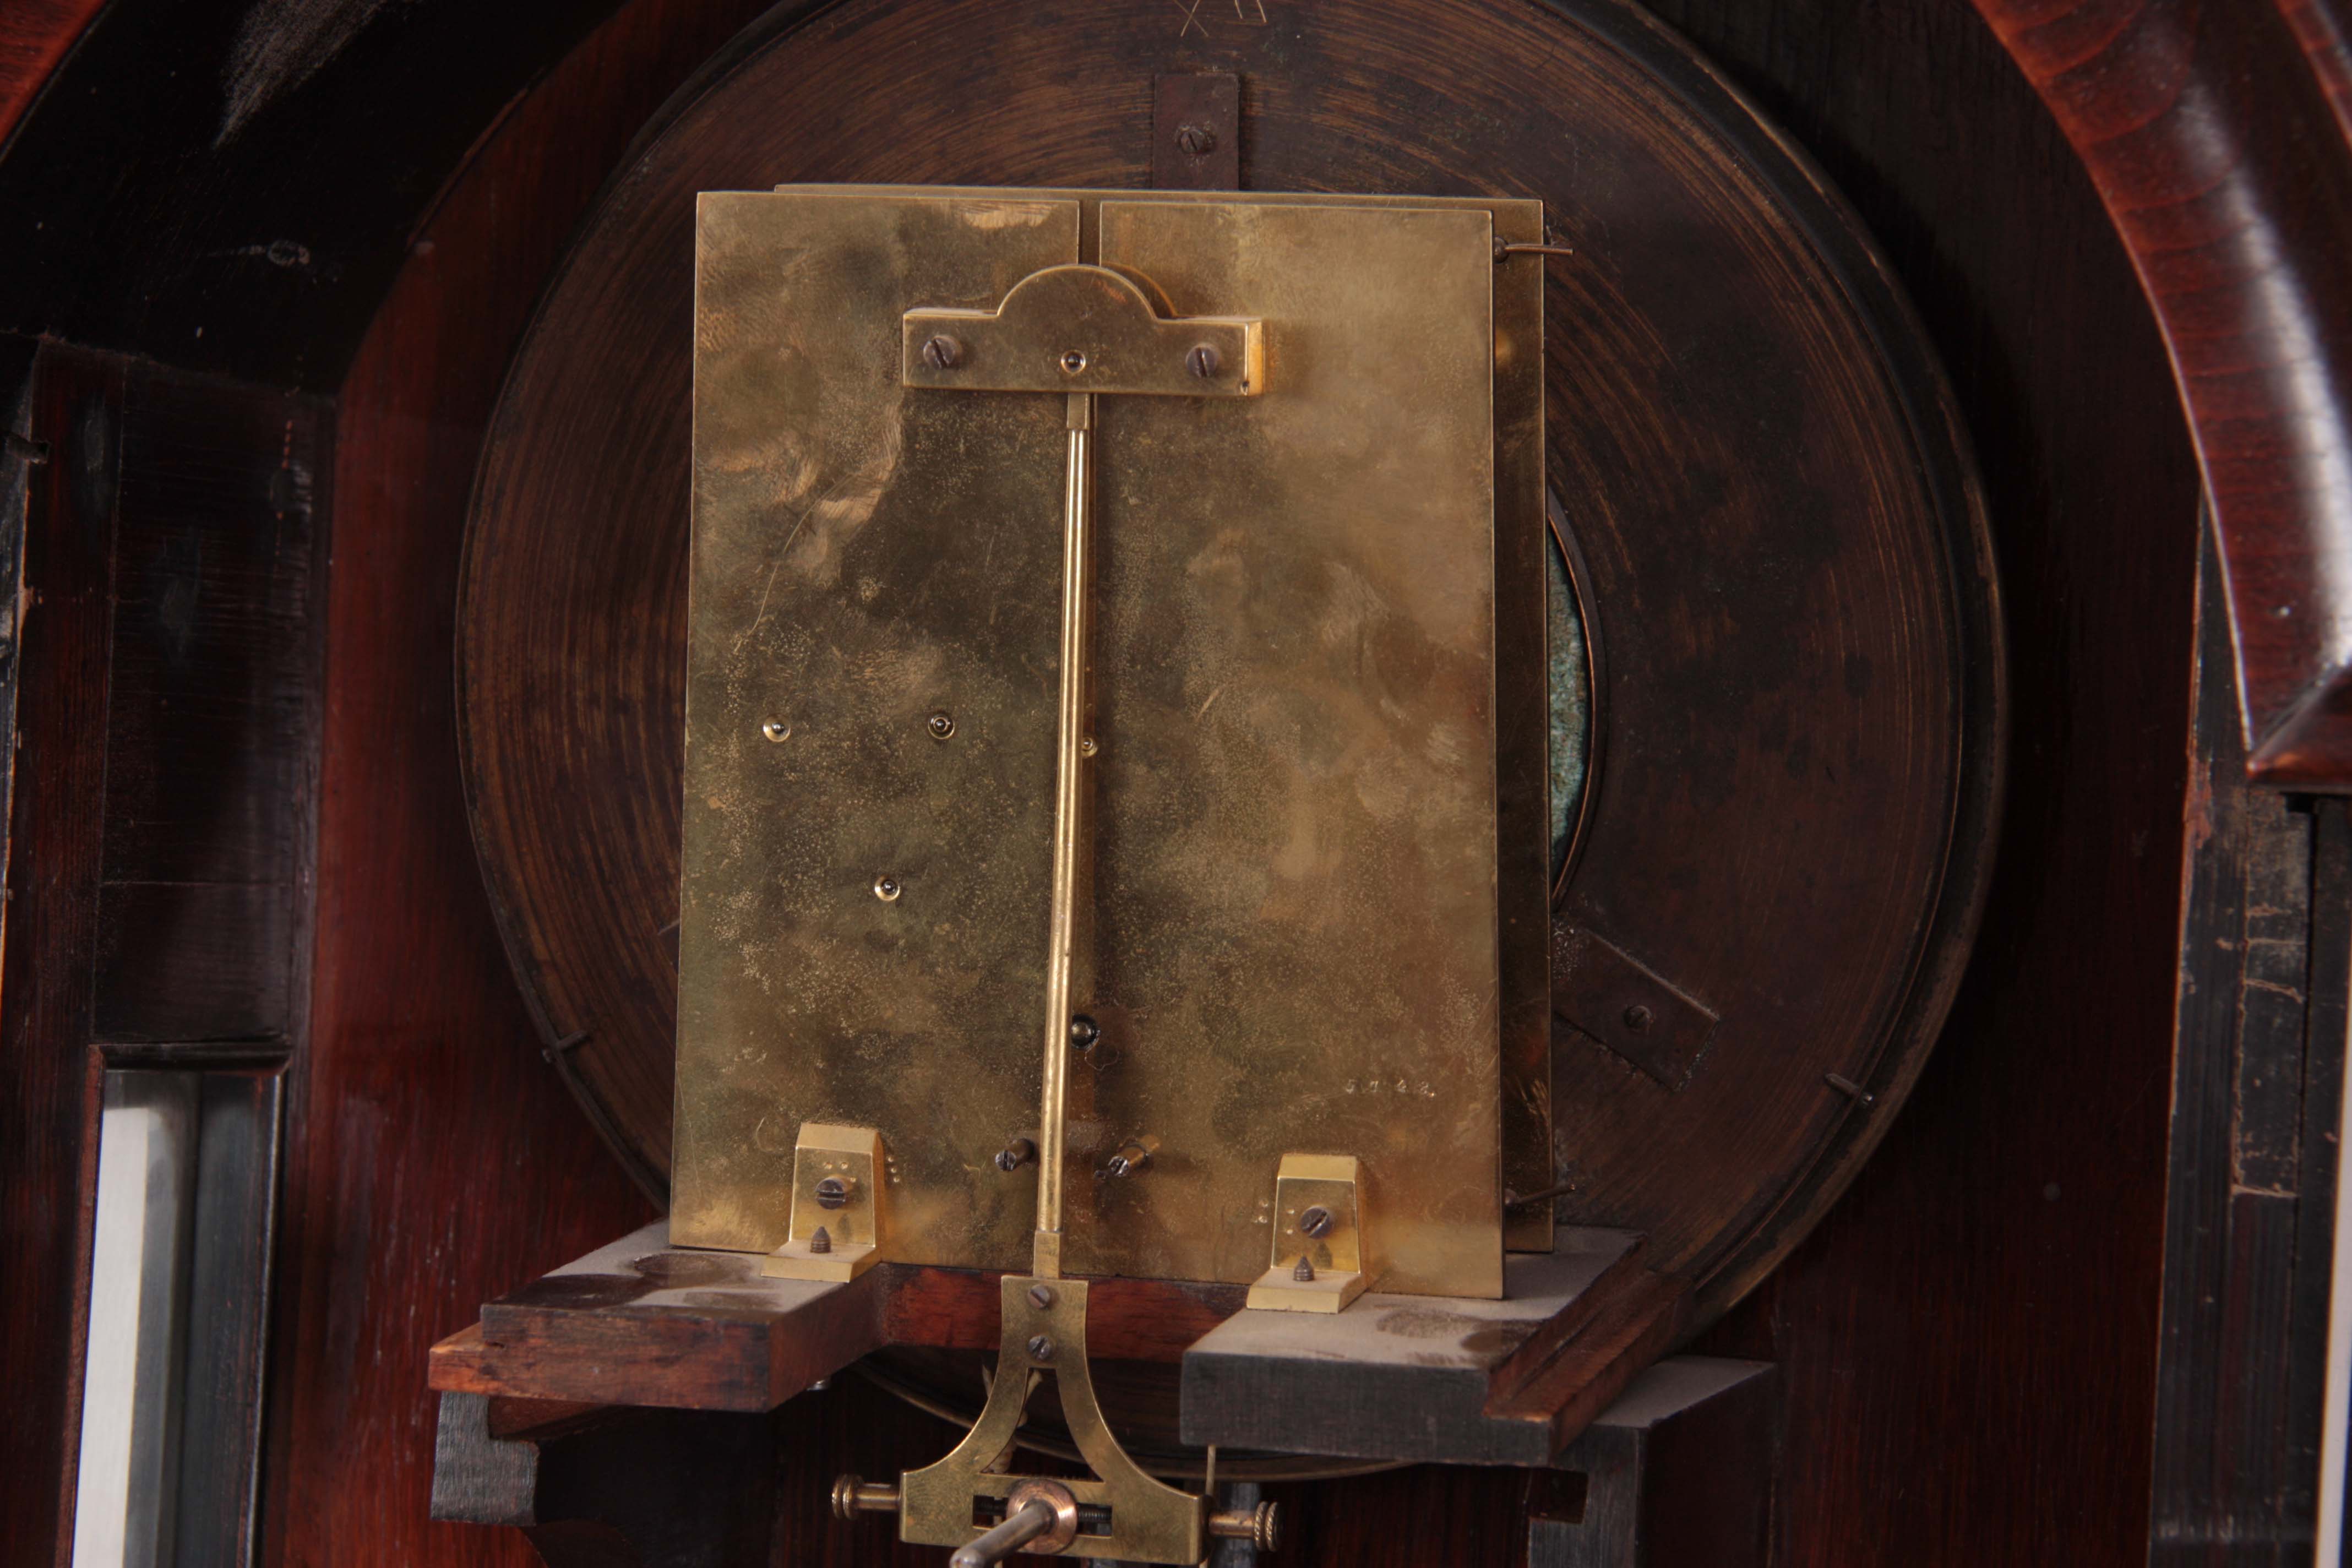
1072,778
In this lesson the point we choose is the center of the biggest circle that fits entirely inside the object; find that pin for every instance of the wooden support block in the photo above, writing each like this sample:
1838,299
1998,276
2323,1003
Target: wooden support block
641,1322
1416,1377
1441,1380
594,1489
1677,1473
638,1322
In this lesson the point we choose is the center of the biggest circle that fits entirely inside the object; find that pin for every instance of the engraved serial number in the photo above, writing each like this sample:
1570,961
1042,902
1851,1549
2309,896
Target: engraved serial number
1405,1087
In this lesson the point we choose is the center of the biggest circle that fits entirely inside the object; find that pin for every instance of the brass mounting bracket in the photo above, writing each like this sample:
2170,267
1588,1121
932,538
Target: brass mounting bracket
1123,1514
839,1205
1321,1258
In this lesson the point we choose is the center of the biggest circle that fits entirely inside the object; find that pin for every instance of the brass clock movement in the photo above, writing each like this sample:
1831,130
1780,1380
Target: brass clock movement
1368,797
1102,855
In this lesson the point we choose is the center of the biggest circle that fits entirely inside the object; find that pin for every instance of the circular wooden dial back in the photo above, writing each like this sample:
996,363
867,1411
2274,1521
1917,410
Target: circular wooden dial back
1780,549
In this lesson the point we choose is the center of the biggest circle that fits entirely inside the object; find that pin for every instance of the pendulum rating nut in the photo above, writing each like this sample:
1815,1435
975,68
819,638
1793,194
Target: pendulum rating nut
852,1497
1260,1526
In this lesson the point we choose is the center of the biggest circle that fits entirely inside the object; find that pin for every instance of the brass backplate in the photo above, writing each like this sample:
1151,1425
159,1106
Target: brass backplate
1316,923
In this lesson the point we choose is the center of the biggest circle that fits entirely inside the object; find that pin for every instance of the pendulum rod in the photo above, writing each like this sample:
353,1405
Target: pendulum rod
1072,797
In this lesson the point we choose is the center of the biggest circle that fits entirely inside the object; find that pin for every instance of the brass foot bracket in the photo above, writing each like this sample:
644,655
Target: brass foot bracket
1122,1514
1320,1261
837,1211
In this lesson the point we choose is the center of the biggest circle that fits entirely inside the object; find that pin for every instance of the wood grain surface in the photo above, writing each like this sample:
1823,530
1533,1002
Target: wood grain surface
48,1113
159,909
2220,139
433,1158
1971,1337
1967,1341
33,37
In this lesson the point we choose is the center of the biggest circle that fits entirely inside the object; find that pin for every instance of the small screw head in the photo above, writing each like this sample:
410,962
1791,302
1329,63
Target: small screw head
1316,1222
1041,1348
1085,1032
885,887
942,353
776,729
1041,1296
1196,140
1202,361
1639,1018
1304,1272
820,1241
1073,362
1087,747
1016,1154
941,724
833,1192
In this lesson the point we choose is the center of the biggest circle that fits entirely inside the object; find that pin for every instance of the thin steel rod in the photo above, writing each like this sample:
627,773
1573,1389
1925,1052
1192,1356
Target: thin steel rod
1018,1530
1071,779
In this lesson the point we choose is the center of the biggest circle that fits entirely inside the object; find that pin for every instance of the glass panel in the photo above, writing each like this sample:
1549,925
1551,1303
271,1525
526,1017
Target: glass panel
179,1289
130,1428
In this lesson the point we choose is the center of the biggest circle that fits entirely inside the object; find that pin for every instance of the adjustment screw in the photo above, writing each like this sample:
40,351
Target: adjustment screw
1041,1297
942,353
885,887
941,724
1316,1222
1016,1154
776,729
1132,1157
821,1241
1304,1272
1638,1018
833,1192
1196,140
1085,1032
1202,361
1041,1348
